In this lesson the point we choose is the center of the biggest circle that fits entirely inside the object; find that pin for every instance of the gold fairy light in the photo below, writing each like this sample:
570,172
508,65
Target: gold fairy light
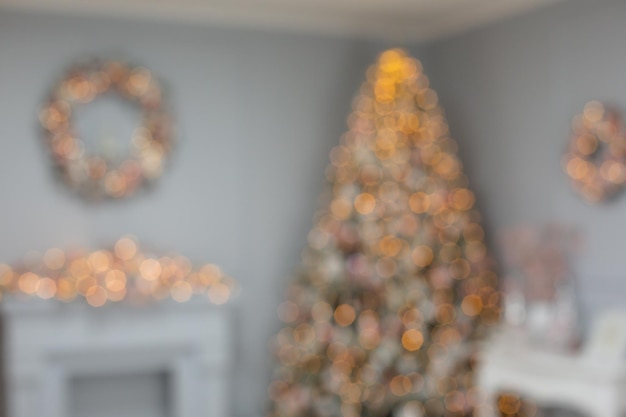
396,283
97,176
123,273
596,157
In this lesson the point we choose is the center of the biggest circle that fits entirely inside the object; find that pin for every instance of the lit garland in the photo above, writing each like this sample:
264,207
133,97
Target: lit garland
123,273
98,175
596,157
396,283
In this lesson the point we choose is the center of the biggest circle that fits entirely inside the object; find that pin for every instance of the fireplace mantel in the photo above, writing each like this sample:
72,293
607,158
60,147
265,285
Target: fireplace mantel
49,342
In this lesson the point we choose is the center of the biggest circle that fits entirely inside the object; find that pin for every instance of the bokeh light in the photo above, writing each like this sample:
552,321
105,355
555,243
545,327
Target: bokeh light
124,273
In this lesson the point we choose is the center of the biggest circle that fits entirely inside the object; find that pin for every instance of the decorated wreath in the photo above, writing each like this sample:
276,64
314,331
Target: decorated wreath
596,157
98,174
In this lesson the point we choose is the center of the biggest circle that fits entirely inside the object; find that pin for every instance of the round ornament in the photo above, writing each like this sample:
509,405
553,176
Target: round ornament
596,156
103,173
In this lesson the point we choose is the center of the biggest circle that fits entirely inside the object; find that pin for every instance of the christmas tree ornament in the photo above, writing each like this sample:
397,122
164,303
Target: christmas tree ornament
396,285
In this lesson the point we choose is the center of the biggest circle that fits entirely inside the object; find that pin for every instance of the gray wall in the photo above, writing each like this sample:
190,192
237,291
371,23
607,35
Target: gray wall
510,91
258,112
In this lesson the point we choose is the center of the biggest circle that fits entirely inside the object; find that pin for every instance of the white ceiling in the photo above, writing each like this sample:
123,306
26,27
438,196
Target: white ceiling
398,20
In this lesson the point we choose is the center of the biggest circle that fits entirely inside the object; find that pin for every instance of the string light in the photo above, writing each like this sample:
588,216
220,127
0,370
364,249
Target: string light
102,175
395,284
122,273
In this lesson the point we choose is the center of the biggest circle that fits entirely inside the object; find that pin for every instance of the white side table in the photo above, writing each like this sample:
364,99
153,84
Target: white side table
593,382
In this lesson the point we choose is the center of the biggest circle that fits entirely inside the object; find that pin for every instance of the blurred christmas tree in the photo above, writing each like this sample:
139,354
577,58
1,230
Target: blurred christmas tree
396,282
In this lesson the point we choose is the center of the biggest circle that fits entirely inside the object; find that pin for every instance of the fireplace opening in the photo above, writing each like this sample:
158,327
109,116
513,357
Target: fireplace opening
120,395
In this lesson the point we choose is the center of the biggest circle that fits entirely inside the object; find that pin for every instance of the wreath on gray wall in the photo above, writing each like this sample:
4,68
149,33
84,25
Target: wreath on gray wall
595,159
96,175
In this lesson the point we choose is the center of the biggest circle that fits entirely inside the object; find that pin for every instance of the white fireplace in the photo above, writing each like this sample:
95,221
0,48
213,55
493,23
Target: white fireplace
161,360
136,395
